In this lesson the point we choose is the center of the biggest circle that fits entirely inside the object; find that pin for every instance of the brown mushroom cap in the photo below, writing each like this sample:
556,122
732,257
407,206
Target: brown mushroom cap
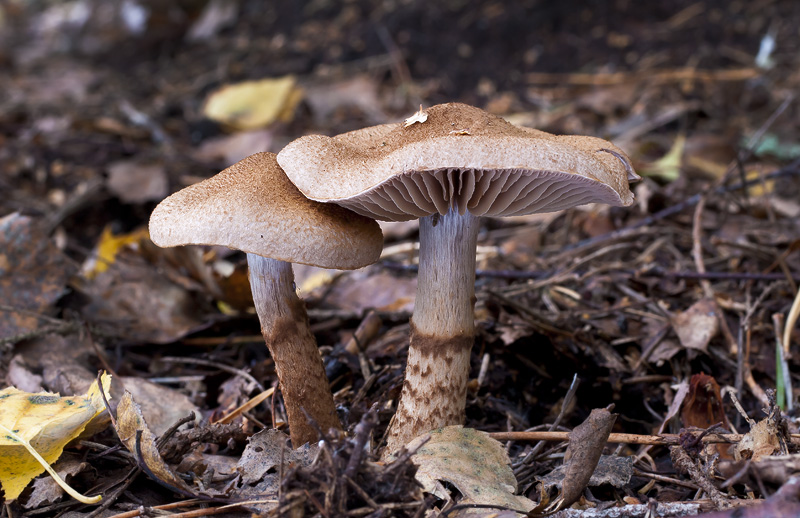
252,206
474,161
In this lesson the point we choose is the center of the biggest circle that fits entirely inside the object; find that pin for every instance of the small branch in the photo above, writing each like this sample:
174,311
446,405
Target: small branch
723,276
684,463
626,438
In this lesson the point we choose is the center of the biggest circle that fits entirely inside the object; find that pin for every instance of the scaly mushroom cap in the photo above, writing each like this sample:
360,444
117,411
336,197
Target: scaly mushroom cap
253,207
460,157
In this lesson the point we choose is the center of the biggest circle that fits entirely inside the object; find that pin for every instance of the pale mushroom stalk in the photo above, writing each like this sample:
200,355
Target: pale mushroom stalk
284,324
435,388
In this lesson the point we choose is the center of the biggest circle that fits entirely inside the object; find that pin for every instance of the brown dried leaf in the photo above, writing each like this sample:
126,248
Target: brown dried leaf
697,325
45,490
135,301
664,351
229,149
511,328
260,467
761,441
586,443
359,92
134,433
33,273
612,470
373,290
134,182
266,450
161,405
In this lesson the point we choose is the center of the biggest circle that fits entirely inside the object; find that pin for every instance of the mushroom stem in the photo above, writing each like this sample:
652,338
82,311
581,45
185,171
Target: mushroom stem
442,329
284,324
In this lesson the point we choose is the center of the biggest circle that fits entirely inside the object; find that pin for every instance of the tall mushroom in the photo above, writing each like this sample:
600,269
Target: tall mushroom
252,206
447,166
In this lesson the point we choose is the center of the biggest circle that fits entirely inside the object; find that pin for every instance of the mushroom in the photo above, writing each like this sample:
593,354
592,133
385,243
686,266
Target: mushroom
448,166
252,206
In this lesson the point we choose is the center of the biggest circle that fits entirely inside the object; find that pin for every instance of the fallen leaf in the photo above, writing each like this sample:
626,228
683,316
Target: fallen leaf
229,149
45,490
33,274
216,16
775,469
134,300
708,153
668,167
511,327
260,467
21,376
473,463
46,422
266,450
360,92
697,325
373,289
160,405
135,182
254,104
62,362
611,470
586,444
761,441
134,433
107,249
676,401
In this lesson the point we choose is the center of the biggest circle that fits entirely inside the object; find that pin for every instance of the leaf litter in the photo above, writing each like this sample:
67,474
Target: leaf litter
636,302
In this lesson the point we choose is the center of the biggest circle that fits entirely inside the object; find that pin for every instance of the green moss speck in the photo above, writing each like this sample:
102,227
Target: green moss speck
37,399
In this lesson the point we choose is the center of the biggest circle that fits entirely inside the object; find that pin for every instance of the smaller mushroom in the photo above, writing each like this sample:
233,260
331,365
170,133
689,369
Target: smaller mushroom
252,206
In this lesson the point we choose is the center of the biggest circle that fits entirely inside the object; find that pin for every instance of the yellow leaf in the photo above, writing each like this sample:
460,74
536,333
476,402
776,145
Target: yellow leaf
254,104
45,423
317,279
668,167
107,249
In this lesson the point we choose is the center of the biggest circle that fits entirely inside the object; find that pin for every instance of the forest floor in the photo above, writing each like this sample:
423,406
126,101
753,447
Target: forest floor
663,309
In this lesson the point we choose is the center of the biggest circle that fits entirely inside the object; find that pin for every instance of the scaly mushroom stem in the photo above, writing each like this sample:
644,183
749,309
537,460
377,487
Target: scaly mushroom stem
284,324
442,329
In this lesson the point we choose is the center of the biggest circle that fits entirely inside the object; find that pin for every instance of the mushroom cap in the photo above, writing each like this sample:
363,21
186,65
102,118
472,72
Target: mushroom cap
460,157
253,207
